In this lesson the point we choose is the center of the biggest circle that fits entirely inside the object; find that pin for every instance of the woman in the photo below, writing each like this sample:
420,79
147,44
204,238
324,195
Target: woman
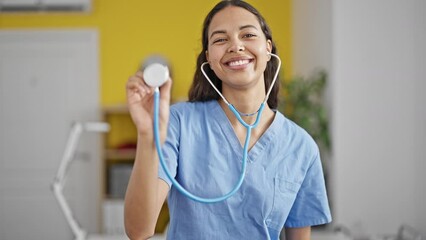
284,183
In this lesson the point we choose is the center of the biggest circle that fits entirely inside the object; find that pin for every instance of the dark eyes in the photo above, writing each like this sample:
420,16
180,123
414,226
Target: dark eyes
247,35
219,40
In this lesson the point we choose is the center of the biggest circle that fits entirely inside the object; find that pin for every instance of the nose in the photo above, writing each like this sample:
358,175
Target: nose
236,46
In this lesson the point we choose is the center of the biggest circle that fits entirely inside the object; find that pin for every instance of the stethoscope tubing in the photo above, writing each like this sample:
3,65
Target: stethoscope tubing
249,127
175,183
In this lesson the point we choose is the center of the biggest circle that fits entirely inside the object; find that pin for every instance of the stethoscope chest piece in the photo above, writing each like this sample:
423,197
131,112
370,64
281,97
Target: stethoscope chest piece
156,74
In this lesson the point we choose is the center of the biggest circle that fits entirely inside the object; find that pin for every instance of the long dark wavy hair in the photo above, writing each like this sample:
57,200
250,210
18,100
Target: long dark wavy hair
201,90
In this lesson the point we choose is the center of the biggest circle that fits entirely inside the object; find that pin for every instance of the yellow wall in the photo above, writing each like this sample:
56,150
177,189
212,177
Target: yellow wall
130,30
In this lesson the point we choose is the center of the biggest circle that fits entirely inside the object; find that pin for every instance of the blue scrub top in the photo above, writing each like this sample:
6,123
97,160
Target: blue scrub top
284,183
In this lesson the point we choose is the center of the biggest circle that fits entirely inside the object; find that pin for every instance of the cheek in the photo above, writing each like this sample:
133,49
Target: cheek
262,55
262,52
214,62
216,53
213,57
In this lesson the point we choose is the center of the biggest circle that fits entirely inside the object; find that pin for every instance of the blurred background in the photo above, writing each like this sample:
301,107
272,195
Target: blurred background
63,61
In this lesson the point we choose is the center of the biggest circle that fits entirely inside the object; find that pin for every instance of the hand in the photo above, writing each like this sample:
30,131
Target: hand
140,101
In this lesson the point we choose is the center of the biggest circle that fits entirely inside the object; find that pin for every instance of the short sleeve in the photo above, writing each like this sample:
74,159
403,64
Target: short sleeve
170,149
311,205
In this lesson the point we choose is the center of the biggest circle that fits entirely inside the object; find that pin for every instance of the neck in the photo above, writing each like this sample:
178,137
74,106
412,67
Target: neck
244,101
265,121
245,106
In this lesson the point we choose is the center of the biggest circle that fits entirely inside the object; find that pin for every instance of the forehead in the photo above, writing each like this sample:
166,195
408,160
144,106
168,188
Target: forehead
231,17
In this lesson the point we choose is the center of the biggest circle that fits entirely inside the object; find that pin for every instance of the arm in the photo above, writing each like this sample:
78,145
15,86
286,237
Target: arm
303,233
145,193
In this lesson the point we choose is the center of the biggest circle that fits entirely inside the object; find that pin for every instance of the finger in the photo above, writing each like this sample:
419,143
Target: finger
135,90
142,86
134,84
148,88
134,80
165,90
165,101
139,74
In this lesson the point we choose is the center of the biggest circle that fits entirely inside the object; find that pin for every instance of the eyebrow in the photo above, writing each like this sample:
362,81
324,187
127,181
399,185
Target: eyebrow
241,28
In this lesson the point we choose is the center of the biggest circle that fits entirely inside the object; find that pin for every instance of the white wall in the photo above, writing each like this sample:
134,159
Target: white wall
311,35
378,74
48,79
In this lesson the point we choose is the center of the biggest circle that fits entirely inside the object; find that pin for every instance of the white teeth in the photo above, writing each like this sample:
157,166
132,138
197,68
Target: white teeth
238,63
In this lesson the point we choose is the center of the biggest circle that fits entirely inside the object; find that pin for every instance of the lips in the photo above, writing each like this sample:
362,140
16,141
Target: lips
238,62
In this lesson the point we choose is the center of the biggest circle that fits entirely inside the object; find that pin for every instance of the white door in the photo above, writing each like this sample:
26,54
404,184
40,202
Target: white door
48,79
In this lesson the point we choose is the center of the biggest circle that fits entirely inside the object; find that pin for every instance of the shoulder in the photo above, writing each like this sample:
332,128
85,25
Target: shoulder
187,106
191,110
184,107
298,138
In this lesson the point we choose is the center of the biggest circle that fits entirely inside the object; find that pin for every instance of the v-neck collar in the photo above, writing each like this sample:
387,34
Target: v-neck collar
262,143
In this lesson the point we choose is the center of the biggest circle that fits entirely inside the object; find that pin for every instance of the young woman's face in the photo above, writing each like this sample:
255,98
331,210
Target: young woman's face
237,48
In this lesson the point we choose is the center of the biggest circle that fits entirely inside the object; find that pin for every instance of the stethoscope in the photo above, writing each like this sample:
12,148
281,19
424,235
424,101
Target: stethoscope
156,75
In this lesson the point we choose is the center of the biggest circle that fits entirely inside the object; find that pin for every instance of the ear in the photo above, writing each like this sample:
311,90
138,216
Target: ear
269,45
207,56
269,48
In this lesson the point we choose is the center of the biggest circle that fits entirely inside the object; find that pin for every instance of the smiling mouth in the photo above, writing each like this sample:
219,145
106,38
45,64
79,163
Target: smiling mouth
238,63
